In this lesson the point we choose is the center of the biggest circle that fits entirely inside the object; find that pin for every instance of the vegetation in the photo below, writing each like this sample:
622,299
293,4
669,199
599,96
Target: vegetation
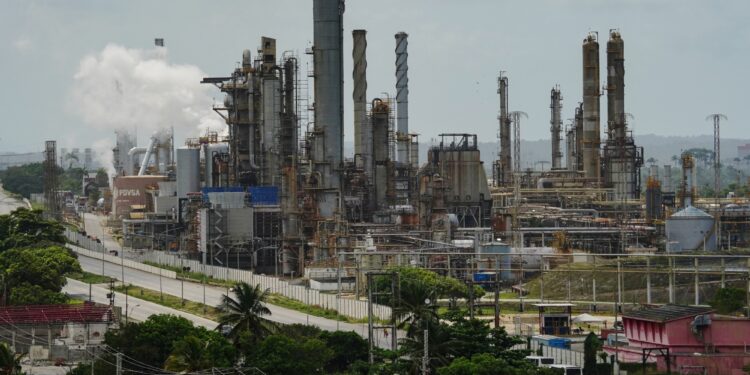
88,277
440,286
10,363
191,307
166,341
314,310
591,346
728,300
244,313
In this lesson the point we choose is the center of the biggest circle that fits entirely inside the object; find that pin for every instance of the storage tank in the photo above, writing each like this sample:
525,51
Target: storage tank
688,228
188,171
488,252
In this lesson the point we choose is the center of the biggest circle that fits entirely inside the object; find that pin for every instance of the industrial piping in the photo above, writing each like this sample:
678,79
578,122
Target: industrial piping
402,98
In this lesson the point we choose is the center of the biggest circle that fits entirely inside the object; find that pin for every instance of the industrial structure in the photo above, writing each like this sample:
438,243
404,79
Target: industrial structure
277,194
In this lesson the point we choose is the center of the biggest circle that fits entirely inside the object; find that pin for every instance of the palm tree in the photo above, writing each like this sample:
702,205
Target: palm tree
245,312
413,311
10,362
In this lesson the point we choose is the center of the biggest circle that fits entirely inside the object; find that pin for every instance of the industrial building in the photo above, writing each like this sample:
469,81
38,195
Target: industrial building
276,193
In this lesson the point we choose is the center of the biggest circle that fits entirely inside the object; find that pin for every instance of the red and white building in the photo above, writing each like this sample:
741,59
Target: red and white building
690,339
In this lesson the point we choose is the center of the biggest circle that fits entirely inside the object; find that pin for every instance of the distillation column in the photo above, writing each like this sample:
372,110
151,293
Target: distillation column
504,173
359,95
556,126
329,103
591,137
402,98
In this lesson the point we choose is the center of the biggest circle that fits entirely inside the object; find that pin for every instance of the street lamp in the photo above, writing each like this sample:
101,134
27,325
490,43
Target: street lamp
426,355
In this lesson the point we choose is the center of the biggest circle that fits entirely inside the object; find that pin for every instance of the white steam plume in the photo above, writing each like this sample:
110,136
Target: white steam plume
121,88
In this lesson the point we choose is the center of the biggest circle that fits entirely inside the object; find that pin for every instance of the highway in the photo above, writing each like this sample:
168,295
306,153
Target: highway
210,294
138,309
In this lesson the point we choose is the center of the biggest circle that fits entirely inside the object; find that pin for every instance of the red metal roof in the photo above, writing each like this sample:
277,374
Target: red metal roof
48,314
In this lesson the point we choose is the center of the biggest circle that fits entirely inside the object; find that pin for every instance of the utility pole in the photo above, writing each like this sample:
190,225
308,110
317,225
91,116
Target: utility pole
119,363
426,356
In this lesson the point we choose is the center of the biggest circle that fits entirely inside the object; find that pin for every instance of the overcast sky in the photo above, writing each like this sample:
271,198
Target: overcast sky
684,59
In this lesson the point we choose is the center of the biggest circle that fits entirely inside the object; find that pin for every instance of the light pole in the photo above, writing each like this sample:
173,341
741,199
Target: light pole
425,355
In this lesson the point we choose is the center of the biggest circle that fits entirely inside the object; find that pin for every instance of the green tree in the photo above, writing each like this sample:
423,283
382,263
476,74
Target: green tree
591,346
347,348
245,312
279,354
24,180
151,341
205,350
27,228
486,364
10,362
36,275
728,300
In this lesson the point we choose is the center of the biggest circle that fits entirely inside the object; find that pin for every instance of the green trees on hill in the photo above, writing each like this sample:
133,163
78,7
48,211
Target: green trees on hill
33,260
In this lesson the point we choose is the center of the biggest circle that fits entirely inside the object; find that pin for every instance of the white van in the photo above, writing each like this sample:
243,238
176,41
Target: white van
540,361
569,369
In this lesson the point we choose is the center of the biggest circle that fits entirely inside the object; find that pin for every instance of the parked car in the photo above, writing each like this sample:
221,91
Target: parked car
540,361
569,369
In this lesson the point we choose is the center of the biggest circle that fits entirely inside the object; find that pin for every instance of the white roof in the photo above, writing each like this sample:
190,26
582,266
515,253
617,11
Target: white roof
587,318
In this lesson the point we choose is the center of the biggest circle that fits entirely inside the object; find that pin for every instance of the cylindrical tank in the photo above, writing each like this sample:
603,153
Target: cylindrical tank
591,132
188,171
489,252
690,229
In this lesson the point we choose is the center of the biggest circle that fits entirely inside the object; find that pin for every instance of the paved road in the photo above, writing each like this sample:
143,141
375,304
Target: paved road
212,296
138,309
8,204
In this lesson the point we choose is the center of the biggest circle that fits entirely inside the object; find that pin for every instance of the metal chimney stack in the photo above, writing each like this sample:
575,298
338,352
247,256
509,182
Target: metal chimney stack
328,146
591,136
616,87
402,98
556,126
506,173
359,95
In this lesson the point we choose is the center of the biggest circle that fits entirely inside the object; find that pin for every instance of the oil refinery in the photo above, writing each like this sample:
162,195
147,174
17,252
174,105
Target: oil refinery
277,194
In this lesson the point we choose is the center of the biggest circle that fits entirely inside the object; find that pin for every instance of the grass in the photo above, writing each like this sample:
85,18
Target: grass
314,310
195,308
274,299
88,277
192,275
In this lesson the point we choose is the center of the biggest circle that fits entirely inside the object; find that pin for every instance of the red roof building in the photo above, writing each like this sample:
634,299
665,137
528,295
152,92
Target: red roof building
55,314
694,337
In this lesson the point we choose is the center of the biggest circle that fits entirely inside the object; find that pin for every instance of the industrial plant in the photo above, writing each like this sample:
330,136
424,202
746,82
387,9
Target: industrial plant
276,193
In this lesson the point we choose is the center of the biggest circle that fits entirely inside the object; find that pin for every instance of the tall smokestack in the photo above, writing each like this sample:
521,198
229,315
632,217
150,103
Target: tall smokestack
556,126
328,146
591,137
505,174
359,95
615,87
578,126
402,98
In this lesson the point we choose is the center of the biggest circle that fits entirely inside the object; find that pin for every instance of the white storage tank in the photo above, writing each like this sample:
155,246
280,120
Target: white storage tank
688,228
188,171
